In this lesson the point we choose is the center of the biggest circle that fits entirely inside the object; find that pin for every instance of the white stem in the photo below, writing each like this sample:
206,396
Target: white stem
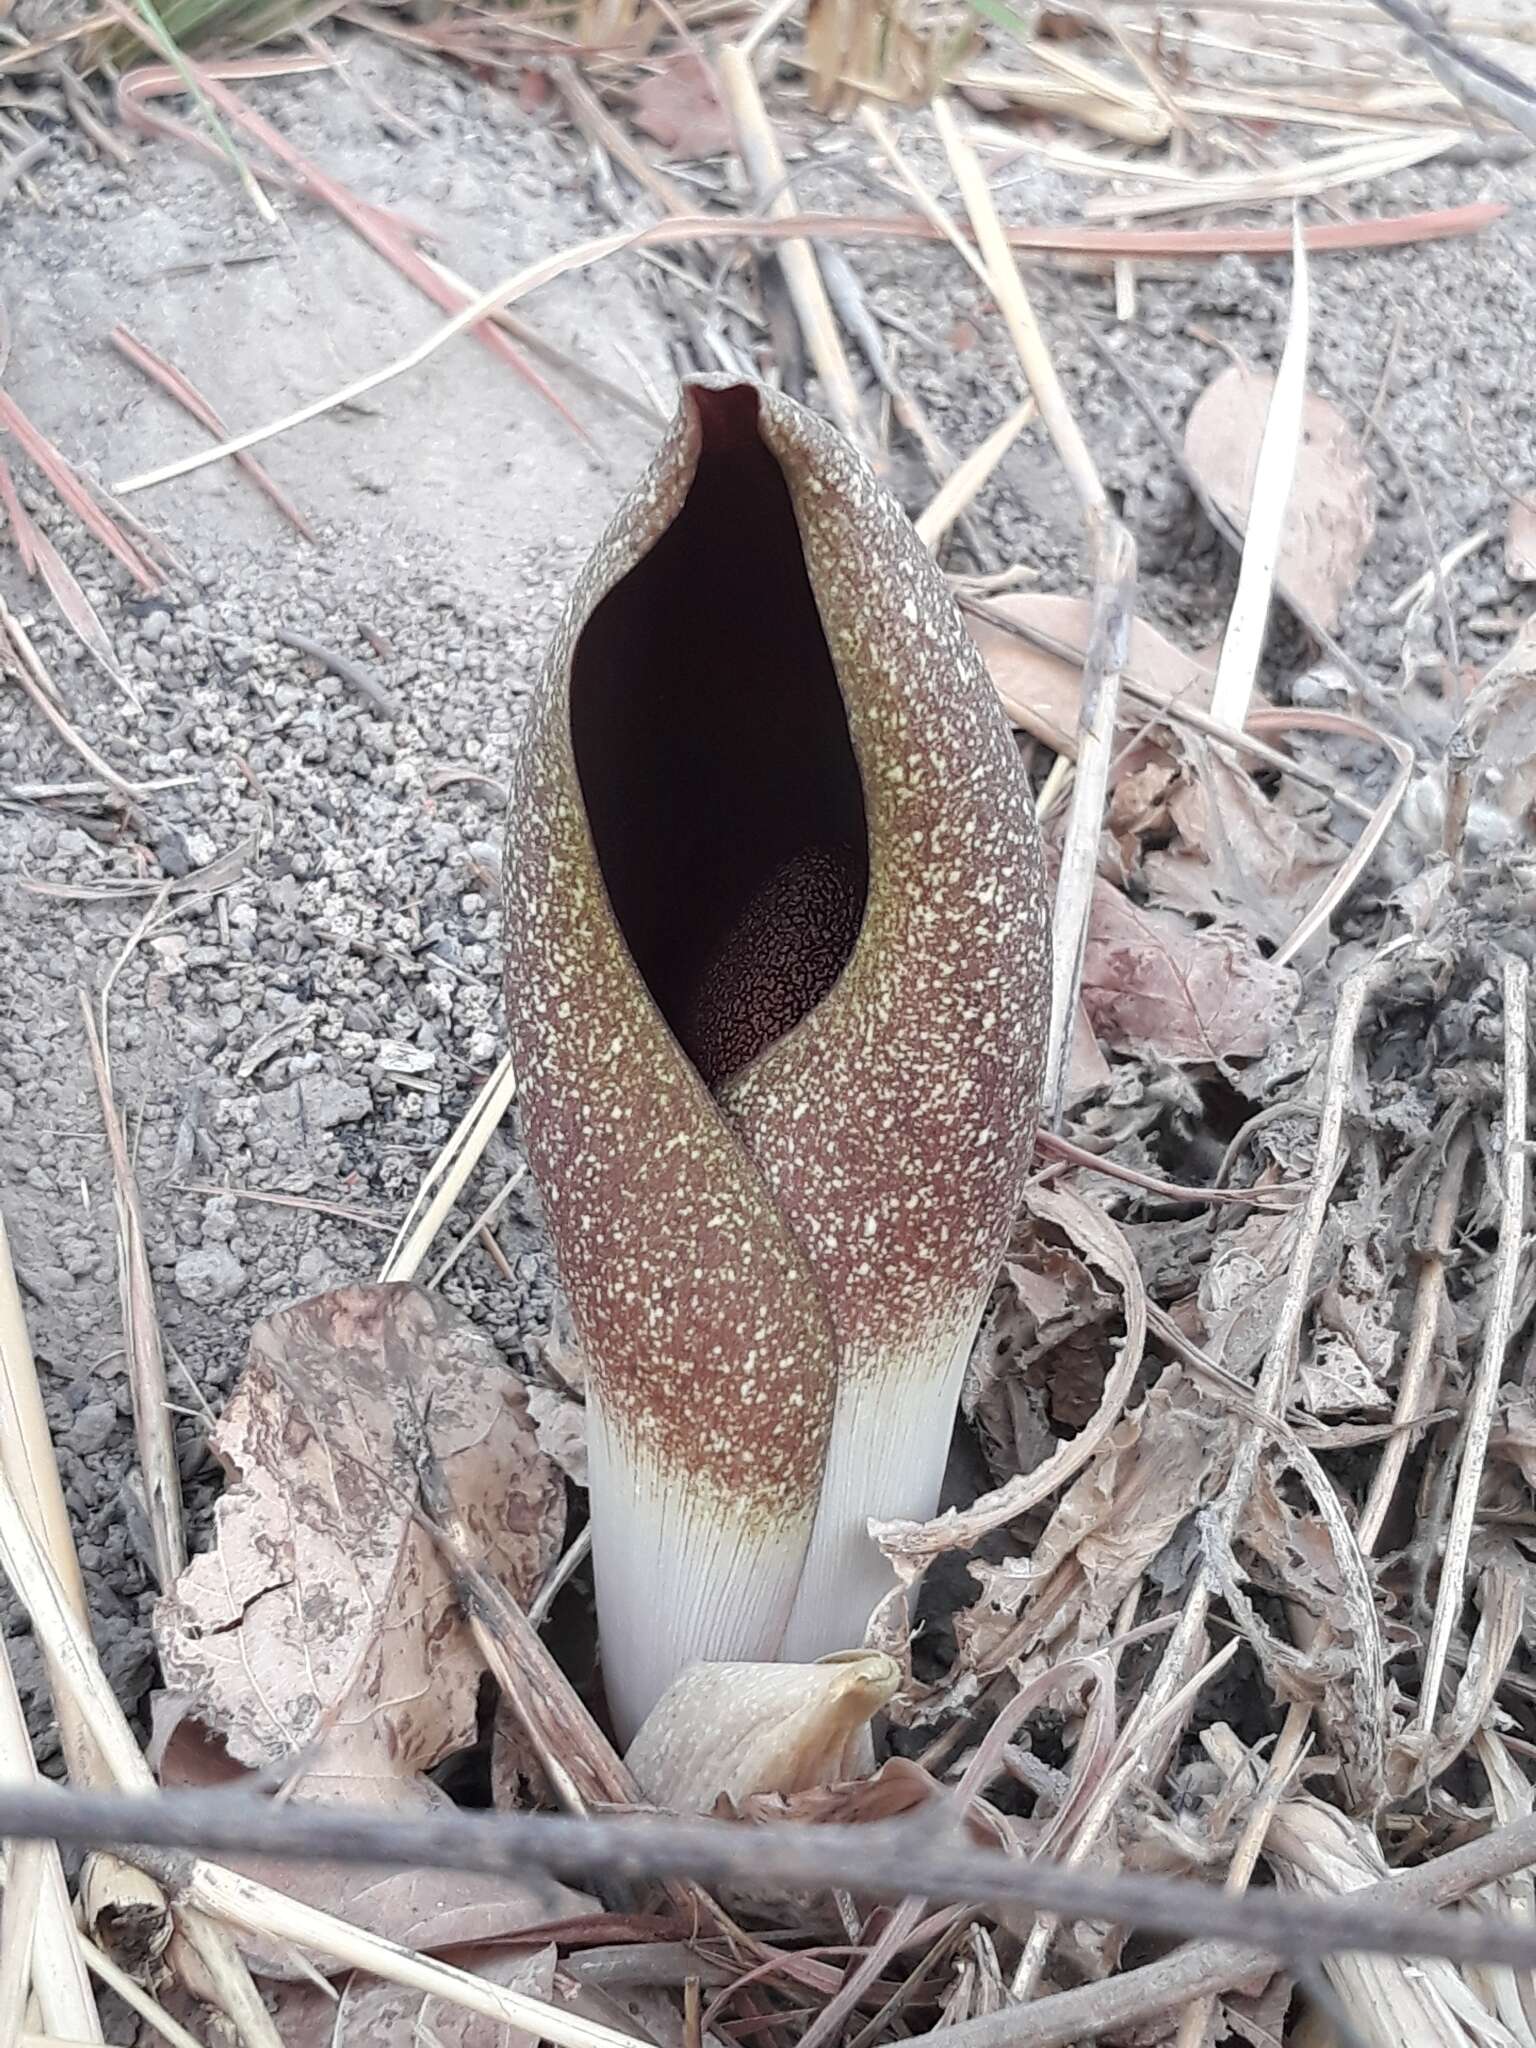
681,1578
890,1442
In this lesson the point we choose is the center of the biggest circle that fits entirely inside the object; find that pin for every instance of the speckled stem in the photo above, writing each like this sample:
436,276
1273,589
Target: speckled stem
777,1283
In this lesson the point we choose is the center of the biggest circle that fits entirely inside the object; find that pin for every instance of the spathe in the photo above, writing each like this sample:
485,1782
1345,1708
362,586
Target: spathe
777,973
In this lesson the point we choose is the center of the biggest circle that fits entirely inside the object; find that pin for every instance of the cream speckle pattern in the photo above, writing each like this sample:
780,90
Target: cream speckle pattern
838,1216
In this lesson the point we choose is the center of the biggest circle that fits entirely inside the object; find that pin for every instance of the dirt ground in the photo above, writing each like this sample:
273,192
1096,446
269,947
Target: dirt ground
314,1026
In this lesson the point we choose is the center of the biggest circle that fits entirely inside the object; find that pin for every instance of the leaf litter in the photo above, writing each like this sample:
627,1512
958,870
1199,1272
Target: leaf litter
321,1634
1110,1400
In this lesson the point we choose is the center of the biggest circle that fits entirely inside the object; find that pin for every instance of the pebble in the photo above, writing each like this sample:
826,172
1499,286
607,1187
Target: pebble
209,1275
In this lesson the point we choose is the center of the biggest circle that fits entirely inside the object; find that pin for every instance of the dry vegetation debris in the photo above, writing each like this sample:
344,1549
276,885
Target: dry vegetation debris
1236,1582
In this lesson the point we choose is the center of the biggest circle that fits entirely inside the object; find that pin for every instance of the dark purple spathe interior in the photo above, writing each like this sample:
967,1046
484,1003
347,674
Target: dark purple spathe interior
715,762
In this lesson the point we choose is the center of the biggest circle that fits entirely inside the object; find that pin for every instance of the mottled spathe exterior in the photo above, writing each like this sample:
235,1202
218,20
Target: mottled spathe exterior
777,1289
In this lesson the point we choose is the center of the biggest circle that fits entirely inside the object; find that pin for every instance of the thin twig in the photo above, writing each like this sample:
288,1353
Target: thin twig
344,668
141,1336
1472,1451
187,395
1113,565
884,1860
1415,1394
1279,446
764,165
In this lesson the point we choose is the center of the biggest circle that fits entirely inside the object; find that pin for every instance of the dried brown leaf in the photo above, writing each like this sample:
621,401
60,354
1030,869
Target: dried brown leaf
560,1424
1038,687
1332,510
323,1612
424,1910
1501,722
1354,1343
372,2014
1156,1467
1154,984
679,104
1041,1354
1242,1284
910,1546
1236,856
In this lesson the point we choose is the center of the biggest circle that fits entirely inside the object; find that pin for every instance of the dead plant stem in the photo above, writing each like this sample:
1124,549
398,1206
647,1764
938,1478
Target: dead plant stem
152,1423
1473,1450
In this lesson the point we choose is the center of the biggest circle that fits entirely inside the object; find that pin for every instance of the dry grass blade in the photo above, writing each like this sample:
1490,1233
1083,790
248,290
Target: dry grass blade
766,172
26,1445
1113,568
37,1554
1387,1999
40,557
1377,158
39,1948
1415,1394
865,227
160,37
444,1179
141,1336
1195,2025
375,227
186,394
133,1994
1498,1328
1243,643
969,477
99,766
76,496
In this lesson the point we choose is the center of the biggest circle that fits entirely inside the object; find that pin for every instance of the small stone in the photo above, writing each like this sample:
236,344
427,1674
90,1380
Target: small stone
92,1429
328,1101
210,1275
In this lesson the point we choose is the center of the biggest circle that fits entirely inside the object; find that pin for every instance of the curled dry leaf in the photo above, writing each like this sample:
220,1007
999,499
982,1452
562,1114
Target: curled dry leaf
1416,1760
1337,1659
1154,984
322,1611
911,1545
1156,1467
900,1787
679,104
1332,510
1354,1344
1039,1362
1043,692
727,1731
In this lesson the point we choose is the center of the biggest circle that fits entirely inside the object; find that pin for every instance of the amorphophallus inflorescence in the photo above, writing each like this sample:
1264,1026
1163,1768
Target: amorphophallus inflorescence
777,972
